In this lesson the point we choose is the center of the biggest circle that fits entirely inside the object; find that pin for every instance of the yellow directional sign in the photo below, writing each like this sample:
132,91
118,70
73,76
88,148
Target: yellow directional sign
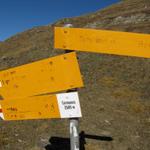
103,41
63,105
46,76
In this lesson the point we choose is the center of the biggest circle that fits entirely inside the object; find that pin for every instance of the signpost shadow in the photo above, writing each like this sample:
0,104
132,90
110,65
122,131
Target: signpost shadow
58,143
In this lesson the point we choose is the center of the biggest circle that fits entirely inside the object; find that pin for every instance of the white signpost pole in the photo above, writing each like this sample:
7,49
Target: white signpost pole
74,123
74,134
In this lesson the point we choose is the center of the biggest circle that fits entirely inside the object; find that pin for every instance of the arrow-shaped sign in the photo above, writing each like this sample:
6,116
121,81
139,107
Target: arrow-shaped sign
46,76
103,41
65,105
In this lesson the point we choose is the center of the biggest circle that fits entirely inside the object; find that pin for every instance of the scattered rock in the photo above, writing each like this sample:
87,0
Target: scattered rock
20,141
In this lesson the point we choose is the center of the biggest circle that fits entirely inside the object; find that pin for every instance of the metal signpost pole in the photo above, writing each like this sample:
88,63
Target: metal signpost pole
74,134
74,122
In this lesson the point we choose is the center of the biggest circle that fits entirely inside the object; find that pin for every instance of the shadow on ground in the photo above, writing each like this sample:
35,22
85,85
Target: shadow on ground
58,143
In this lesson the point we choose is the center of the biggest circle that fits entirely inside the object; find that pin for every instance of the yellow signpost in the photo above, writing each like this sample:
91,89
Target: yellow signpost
46,76
103,41
63,105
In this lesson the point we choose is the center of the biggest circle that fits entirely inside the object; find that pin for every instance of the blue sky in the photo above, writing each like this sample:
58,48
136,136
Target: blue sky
20,15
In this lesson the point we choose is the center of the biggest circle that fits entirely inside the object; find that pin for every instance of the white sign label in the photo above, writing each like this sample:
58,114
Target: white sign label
69,105
2,116
1,113
0,84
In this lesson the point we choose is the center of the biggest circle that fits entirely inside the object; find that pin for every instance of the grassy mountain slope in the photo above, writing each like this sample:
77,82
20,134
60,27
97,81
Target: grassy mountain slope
116,98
